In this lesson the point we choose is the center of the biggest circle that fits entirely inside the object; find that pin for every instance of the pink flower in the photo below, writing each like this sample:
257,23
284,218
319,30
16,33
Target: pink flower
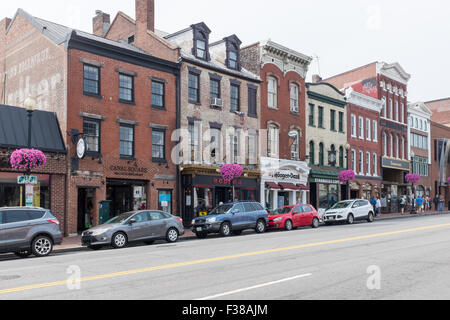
231,171
346,176
412,178
27,159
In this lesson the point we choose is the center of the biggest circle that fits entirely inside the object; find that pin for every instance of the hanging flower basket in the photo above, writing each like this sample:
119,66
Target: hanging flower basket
231,171
448,180
27,159
412,178
346,176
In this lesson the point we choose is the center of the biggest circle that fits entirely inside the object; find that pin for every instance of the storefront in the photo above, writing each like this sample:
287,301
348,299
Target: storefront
13,194
394,186
325,189
202,193
283,183
126,195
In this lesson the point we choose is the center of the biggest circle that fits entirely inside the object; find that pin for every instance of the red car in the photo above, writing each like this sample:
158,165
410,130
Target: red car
291,217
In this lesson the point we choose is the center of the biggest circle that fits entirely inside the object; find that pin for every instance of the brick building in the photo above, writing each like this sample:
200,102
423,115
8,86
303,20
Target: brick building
120,99
46,136
441,111
364,138
388,83
419,147
283,95
440,164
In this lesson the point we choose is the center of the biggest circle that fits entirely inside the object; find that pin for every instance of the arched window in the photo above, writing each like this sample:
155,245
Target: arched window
332,156
384,144
321,155
295,150
311,153
341,157
272,92
273,141
397,147
391,145
294,97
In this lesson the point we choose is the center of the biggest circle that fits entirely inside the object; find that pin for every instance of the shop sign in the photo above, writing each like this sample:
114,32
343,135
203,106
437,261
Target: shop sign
128,171
325,181
218,181
27,180
287,175
138,192
396,164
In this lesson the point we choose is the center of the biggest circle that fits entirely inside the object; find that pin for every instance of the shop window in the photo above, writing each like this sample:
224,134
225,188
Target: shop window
165,201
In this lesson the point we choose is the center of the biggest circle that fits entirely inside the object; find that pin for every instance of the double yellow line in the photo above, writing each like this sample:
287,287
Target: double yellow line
218,259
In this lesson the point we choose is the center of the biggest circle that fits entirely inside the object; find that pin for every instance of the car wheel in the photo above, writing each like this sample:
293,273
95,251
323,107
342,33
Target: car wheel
23,254
260,226
350,219
95,248
201,235
371,218
119,240
315,223
288,225
172,235
42,246
225,229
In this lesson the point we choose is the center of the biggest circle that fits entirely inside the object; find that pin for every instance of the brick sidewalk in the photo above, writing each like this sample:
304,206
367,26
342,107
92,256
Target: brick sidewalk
74,243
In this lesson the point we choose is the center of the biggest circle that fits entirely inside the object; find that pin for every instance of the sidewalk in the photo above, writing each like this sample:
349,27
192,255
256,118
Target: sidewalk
74,243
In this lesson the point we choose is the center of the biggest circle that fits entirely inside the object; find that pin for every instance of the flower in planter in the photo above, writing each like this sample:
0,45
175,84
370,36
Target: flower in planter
231,171
412,178
346,176
27,159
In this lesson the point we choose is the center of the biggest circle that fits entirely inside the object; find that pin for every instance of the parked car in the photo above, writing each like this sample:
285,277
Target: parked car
28,231
291,217
350,211
232,218
137,226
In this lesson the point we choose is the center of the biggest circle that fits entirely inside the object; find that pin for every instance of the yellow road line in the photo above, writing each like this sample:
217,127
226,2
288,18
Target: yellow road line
230,257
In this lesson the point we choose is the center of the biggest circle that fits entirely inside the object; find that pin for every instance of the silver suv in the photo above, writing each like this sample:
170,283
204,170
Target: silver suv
27,231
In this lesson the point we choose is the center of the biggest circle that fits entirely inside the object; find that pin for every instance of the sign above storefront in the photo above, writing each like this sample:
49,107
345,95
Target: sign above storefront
27,180
396,164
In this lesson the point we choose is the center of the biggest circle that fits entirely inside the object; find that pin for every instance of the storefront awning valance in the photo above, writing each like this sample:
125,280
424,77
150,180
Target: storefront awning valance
272,185
303,187
289,186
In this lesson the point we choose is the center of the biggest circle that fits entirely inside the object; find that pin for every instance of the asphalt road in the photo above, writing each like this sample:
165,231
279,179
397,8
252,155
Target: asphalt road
392,259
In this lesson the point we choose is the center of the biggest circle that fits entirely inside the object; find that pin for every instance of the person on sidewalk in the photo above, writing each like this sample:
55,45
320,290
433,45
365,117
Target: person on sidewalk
402,204
441,203
373,202
419,202
378,207
436,202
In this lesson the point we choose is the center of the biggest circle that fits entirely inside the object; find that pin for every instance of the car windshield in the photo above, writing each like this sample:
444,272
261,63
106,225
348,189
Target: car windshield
342,205
221,210
121,218
284,210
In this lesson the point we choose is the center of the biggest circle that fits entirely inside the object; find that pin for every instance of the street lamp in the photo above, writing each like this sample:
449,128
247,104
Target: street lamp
347,148
30,105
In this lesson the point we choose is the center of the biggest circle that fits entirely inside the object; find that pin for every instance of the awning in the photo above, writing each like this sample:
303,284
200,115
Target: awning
289,186
201,186
303,187
272,185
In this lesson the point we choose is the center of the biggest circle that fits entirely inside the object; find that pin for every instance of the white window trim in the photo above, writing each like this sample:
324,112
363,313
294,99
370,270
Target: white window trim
375,165
353,126
368,164
368,130
362,164
375,131
361,128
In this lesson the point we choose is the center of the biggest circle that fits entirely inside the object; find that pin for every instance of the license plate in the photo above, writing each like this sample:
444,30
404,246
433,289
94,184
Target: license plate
199,229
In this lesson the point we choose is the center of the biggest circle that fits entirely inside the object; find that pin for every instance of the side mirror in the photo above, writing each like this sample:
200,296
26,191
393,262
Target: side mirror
132,221
235,211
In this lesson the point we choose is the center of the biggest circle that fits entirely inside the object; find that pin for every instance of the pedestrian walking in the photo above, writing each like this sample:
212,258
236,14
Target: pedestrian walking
378,206
402,204
436,202
373,202
441,203
419,202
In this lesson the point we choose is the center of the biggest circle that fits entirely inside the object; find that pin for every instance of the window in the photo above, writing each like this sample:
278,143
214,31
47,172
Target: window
384,144
311,115
375,164
361,128
332,152
361,162
201,49
164,202
311,153
321,154
341,122
215,146
391,111
294,98
368,168
158,93
91,80
126,88
235,147
341,157
158,145
214,89
91,131
194,88
391,144
233,60
321,118
375,131
126,141
235,98
396,111
397,145
402,111
194,141
403,148
384,107
252,149
419,141
333,120
353,124
368,130
295,151
272,92
13,216
354,160
273,141
252,102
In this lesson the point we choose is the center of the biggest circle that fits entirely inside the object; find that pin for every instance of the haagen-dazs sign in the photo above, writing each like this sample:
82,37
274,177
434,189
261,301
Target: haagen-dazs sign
128,171
286,175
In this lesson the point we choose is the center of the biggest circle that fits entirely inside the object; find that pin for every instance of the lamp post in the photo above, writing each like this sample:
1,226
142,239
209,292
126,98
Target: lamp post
347,148
29,105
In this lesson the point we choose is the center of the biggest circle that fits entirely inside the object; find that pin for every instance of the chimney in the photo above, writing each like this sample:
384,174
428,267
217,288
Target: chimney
316,78
145,16
101,23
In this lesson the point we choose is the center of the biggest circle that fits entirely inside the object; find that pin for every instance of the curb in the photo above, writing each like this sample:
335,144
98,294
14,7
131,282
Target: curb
413,216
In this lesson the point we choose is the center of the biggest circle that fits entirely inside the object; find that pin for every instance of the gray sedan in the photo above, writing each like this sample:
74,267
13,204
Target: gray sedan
137,226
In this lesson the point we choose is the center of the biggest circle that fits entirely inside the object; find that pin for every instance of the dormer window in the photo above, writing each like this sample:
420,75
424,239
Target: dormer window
233,45
201,41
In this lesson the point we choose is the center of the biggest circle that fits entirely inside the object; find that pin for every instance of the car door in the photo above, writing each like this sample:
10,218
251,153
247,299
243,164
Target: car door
251,216
365,208
307,215
2,236
158,224
297,216
16,227
355,209
140,229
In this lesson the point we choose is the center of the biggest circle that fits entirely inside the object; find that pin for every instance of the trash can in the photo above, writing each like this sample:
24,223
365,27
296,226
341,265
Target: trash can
105,211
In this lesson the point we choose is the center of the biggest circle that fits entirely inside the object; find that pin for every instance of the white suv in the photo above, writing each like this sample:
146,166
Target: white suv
350,211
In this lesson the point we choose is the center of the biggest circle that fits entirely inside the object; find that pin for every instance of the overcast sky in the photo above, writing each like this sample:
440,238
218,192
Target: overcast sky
343,34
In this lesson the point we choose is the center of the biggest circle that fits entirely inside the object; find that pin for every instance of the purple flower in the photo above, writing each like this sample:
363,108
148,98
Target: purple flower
27,159
231,171
412,178
346,176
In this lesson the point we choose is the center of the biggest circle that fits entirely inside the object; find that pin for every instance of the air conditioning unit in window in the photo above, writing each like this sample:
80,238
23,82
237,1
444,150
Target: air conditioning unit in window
216,102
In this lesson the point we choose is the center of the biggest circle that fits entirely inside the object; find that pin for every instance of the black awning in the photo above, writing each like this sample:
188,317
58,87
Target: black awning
46,133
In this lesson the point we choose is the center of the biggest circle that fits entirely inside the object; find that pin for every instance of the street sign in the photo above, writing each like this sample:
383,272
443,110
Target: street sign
27,180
